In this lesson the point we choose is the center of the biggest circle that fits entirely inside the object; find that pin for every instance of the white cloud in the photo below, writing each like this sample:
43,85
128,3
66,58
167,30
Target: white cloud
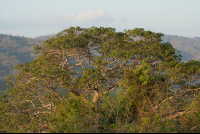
53,23
91,15
86,18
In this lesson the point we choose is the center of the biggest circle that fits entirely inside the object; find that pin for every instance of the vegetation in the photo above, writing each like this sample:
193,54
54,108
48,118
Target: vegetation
189,47
14,50
99,80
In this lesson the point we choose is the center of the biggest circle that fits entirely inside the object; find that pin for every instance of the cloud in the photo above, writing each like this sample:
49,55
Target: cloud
91,16
86,18
53,23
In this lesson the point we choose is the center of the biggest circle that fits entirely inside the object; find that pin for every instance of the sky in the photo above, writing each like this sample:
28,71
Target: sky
31,18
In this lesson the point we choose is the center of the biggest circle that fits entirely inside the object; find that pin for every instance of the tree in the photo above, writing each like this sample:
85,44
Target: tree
91,62
101,56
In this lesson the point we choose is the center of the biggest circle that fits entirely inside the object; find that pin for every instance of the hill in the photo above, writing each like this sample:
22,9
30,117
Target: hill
14,50
44,37
189,47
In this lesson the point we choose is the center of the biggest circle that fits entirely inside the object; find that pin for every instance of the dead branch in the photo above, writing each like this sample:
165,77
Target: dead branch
54,91
196,89
152,105
194,127
38,108
163,102
48,106
31,102
41,112
175,114
112,87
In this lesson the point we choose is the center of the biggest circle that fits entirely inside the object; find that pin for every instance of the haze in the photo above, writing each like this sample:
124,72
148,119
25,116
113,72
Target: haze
41,17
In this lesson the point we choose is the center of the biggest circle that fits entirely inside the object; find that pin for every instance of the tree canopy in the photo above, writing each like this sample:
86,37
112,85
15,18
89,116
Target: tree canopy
88,64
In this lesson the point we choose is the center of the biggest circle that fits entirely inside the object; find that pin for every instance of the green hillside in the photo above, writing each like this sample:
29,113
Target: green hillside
14,50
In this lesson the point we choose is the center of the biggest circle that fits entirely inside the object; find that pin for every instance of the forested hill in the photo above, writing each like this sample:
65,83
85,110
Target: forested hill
189,47
44,37
16,49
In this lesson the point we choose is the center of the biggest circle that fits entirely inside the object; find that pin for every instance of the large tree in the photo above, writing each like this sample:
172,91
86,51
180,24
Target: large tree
92,62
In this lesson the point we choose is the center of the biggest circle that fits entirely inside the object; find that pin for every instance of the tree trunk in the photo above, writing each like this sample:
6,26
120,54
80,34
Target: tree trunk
95,100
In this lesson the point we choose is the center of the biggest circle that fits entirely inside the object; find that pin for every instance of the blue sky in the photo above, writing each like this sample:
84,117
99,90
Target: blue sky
31,18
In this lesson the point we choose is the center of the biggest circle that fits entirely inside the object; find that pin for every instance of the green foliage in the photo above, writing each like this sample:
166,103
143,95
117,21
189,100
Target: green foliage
98,80
73,115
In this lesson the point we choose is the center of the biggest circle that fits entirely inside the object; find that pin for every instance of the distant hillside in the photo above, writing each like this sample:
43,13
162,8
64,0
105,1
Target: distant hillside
14,50
44,37
189,47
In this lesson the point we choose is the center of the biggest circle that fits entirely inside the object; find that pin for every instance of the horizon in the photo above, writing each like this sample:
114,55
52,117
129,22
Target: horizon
39,18
63,29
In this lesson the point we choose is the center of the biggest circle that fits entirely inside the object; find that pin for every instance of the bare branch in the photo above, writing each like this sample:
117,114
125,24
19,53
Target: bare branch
173,115
196,89
194,127
120,65
31,102
48,106
112,87
133,61
53,90
152,105
34,109
41,112
163,102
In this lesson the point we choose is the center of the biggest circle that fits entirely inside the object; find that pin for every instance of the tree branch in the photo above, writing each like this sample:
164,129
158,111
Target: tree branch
53,90
163,102
112,87
173,115
31,102
194,127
